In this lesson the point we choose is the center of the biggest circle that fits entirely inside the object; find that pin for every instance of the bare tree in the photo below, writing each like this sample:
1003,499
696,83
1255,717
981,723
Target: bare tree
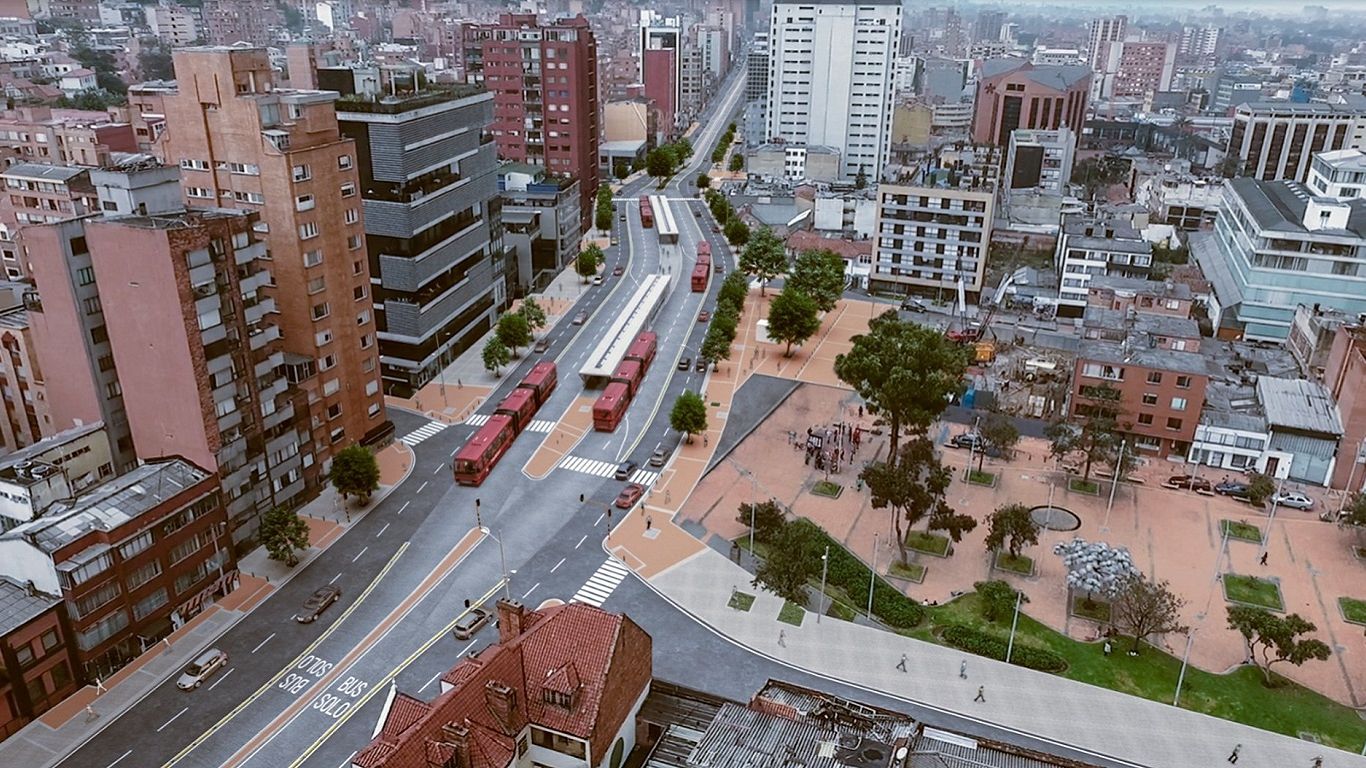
1145,607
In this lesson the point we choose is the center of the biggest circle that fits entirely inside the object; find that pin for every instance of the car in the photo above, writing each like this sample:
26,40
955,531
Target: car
697,214
470,624
580,317
318,602
541,345
201,669
970,440
684,363
618,271
660,457
703,316
622,217
914,305
1230,488
701,365
597,279
1190,481
1293,500
715,229
629,496
624,470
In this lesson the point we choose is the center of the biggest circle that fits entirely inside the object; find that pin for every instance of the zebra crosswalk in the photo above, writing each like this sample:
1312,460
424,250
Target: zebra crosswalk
601,584
422,433
606,469
536,425
477,419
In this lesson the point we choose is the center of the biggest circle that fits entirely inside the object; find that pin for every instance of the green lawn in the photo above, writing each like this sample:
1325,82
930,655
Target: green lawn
741,601
1251,590
909,571
1097,610
792,614
827,489
1239,530
1023,565
1084,486
1240,696
982,478
929,543
1353,610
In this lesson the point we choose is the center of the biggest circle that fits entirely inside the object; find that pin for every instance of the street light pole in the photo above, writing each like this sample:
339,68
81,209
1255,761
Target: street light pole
1351,473
1010,646
1114,483
872,578
1275,502
753,502
825,564
502,559
1185,659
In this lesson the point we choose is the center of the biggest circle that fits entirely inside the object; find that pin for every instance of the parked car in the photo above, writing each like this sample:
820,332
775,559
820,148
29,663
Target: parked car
624,469
202,669
660,457
1230,488
470,624
703,316
969,440
319,601
629,496
1292,499
913,305
684,363
1189,481
580,317
618,271
541,345
597,279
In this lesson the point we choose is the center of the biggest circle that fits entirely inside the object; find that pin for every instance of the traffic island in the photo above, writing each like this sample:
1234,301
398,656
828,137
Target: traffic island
928,543
985,479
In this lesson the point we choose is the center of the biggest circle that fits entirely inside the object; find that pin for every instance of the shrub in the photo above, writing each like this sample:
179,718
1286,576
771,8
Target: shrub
994,647
850,574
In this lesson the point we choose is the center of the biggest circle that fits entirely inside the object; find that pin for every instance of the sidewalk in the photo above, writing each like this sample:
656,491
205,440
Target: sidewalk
51,737
1088,717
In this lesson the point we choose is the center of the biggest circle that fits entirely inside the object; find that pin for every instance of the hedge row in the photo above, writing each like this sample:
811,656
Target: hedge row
994,646
851,575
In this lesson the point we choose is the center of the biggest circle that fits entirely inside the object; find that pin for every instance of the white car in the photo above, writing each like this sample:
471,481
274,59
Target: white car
597,279
1293,500
202,669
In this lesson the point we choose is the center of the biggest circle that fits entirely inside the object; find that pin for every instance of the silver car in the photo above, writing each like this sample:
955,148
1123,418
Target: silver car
1292,500
202,669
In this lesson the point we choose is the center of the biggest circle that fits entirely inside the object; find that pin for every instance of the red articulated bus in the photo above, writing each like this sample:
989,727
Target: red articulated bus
700,274
611,406
643,350
541,380
521,405
476,458
703,252
630,373
647,212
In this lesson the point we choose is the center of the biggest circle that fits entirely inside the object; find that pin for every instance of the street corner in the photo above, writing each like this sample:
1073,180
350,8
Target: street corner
395,462
322,532
251,591
649,542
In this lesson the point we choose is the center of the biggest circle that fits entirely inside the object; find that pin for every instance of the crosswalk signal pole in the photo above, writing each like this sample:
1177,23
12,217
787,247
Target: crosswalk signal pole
478,518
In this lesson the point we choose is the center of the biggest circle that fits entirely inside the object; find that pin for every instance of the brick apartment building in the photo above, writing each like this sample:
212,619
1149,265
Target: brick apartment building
38,194
241,142
62,136
1161,393
227,22
1014,93
1345,378
544,80
561,687
147,111
37,665
25,420
132,559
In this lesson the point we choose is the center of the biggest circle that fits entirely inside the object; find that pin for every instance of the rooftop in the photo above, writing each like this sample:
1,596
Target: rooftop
1143,356
1143,325
41,447
110,505
1305,406
19,606
1057,76
393,105
1297,108
40,172
1138,285
1280,205
1344,159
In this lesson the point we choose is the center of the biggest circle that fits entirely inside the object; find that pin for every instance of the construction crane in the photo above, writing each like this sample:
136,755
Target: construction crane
975,334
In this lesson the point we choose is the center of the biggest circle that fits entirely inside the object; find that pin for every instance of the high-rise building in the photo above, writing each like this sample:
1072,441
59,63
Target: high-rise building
1199,43
38,194
1040,160
692,85
544,80
661,67
988,26
714,44
756,69
173,25
228,22
1276,139
1132,69
830,78
428,181
25,420
1104,30
1013,93
243,143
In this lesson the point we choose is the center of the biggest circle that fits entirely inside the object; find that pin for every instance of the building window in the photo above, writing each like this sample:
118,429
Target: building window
203,193
321,310
348,190
302,173
351,216
51,640
135,545
1154,377
558,743
363,317
1178,403
308,229
353,243
1184,382
344,162
24,654
1173,424
317,284
186,548
359,292
366,340
144,607
195,165
1145,418
93,601
313,258
92,305
1149,398
334,411
85,275
303,203
144,574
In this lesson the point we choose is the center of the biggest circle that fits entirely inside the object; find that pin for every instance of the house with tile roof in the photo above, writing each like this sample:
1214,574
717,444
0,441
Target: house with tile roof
560,688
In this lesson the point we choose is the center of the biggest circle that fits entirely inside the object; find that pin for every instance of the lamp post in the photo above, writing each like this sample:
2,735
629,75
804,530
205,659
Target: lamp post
1351,473
1185,660
502,559
1010,646
825,564
1114,483
478,519
872,578
1275,502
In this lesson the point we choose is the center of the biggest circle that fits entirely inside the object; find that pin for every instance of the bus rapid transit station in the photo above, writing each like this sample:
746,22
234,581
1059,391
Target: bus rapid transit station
602,362
665,223
486,446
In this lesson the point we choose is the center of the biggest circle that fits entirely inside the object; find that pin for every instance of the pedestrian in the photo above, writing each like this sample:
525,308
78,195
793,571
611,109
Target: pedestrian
782,638
963,669
1262,560
860,411
981,694
1233,756
704,440
1318,762
99,686
649,521
90,713
1108,648
901,665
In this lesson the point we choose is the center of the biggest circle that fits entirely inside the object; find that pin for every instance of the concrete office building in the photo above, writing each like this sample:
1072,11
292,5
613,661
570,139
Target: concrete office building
1102,31
830,79
544,81
756,69
661,68
1040,160
541,232
1013,93
433,231
1276,139
279,152
1129,70
1199,43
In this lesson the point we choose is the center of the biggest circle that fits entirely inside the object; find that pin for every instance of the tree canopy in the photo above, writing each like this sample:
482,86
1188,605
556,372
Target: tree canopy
1093,436
792,318
914,487
532,311
1144,607
586,265
737,162
283,533
495,355
355,472
999,434
689,414
763,256
1011,526
1272,639
787,566
820,275
514,330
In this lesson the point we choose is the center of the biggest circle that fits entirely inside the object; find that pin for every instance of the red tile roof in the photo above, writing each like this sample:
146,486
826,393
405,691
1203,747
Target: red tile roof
602,659
803,240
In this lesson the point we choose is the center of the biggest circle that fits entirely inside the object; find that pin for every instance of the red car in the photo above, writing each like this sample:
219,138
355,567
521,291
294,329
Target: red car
629,496
1189,481
703,316
618,270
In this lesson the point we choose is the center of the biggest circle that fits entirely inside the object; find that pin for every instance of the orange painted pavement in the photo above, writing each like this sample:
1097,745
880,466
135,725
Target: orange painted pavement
576,422
304,699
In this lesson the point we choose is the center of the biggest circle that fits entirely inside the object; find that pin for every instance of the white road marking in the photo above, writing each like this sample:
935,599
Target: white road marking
580,544
172,720
644,477
588,466
557,565
602,583
438,468
221,678
429,682
334,579
382,530
120,759
599,520
358,554
541,425
533,589
477,419
262,644
405,506
422,433
422,487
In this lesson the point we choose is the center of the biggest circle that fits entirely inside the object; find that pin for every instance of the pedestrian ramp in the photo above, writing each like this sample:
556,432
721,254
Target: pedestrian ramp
599,468
601,584
422,433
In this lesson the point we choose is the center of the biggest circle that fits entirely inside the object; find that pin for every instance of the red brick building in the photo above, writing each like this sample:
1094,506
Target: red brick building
1014,93
561,687
544,80
1345,377
37,666
1161,393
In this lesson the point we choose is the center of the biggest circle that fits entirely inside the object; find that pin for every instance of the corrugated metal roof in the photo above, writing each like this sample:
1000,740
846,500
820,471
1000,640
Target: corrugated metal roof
18,607
1298,404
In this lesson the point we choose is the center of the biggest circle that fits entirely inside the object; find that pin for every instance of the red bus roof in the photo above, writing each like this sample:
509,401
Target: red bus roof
613,394
479,442
539,373
627,369
703,246
643,346
700,269
649,336
516,400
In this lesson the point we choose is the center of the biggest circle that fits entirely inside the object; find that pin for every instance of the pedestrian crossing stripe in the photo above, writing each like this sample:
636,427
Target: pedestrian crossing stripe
477,419
601,584
541,425
644,477
422,433
606,469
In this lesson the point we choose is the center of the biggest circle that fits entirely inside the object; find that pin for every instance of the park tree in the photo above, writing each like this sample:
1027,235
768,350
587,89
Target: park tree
998,433
283,533
1013,527
660,162
587,262
1095,438
734,289
792,318
716,344
689,414
819,274
763,257
1096,568
703,181
789,563
1272,639
737,231
904,372
514,330
998,598
1144,607
495,355
1260,487
1354,512
914,487
534,314
355,472
737,162
767,518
